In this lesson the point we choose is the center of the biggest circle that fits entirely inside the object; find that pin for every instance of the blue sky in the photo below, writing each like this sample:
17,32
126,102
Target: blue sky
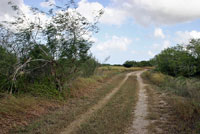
134,29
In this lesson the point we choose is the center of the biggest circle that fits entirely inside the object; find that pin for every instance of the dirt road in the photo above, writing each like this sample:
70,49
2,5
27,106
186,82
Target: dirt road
140,123
76,123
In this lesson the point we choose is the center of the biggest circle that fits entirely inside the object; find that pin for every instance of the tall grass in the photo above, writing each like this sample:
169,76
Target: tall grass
181,86
82,86
183,96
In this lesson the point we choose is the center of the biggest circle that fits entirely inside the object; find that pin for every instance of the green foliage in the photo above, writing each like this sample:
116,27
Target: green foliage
89,67
7,62
47,91
177,61
194,48
137,64
41,57
128,64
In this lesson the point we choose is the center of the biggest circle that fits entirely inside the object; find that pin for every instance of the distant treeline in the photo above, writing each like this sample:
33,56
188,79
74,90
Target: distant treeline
180,60
137,64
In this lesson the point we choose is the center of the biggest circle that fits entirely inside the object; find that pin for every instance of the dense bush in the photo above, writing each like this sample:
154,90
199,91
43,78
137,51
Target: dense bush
137,64
180,60
42,57
7,62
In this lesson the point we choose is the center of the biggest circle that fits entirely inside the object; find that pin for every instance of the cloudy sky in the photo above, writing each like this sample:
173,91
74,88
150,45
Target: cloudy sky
131,29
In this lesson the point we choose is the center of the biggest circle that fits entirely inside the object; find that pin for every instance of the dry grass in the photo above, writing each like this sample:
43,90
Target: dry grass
115,116
118,69
23,110
185,108
82,86
58,120
160,113
156,78
19,111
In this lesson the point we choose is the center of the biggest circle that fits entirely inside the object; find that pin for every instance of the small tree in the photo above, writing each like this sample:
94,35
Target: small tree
176,61
58,45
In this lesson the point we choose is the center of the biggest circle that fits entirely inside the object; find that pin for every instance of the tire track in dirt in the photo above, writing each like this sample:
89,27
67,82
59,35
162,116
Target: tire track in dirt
140,123
82,118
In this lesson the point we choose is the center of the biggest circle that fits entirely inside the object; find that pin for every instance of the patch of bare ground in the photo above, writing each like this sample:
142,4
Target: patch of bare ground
140,123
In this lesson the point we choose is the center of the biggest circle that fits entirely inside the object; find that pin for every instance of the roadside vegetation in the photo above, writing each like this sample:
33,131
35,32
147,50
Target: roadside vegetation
180,60
70,111
176,73
42,58
183,95
28,112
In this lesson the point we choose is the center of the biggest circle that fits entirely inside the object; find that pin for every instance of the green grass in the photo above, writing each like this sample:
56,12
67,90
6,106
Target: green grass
116,115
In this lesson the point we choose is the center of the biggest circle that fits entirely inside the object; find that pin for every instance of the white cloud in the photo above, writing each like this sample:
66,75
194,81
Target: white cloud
145,12
165,44
148,12
115,43
111,15
89,9
156,48
150,53
47,4
185,36
159,33
7,13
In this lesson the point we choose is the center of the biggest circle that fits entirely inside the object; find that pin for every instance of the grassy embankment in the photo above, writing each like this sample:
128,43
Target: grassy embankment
23,110
183,96
116,115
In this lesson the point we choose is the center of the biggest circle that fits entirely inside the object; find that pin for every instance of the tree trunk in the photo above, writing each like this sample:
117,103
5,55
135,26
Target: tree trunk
56,78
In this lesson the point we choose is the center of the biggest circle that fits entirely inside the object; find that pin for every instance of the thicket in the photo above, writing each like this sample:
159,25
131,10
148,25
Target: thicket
137,64
40,57
181,60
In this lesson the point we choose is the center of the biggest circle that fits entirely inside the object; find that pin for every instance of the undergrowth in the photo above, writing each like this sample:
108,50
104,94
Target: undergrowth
183,96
